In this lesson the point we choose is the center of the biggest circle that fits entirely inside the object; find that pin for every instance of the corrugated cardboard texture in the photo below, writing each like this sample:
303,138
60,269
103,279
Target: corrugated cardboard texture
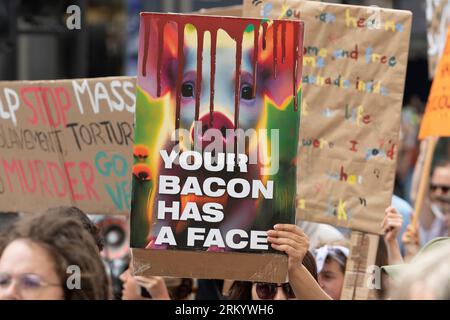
363,253
210,265
349,137
66,146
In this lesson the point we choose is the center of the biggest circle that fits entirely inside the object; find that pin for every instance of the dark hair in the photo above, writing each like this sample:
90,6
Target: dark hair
68,243
242,290
341,258
440,163
85,221
6,220
183,290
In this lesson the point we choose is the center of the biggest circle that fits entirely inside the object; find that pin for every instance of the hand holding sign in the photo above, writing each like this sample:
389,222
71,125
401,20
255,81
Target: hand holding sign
290,239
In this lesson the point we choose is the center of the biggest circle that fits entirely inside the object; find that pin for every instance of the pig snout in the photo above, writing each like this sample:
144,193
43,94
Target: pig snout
218,121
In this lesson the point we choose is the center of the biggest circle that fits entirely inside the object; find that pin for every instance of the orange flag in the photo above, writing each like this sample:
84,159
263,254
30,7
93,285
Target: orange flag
436,120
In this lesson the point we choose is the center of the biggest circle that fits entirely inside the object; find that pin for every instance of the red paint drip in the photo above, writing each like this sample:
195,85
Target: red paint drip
275,48
264,25
283,41
237,80
213,75
255,56
180,71
237,84
146,40
235,30
198,82
295,61
161,24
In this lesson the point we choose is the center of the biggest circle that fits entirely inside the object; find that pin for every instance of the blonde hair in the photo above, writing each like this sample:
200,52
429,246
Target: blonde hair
429,274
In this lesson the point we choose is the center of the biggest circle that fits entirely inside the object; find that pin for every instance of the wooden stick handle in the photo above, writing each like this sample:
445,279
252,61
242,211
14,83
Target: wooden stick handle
424,177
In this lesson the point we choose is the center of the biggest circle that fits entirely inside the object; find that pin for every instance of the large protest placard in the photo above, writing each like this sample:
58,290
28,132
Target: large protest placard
438,20
436,120
353,80
67,142
217,122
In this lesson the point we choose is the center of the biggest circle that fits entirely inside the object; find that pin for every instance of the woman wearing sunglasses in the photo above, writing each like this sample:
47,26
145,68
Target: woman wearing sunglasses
434,214
302,270
51,257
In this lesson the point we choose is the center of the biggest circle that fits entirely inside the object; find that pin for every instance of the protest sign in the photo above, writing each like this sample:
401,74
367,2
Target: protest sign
217,121
353,79
436,119
434,123
438,20
67,142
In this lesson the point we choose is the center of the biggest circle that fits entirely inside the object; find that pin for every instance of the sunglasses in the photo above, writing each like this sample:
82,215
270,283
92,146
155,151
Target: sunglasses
26,281
268,291
444,188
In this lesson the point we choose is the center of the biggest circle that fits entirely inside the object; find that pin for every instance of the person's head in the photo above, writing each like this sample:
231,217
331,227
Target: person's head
440,188
85,221
331,261
46,256
247,290
425,278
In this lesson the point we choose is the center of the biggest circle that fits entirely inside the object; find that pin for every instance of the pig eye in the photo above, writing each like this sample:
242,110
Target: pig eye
247,92
187,89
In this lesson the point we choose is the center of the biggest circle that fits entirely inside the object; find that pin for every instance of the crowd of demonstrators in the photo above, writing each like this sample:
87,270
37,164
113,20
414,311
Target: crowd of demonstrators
38,250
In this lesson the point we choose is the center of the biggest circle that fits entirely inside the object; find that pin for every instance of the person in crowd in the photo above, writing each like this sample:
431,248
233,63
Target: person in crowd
52,257
302,270
391,224
388,251
434,215
154,288
143,288
331,261
407,147
426,276
85,221
406,212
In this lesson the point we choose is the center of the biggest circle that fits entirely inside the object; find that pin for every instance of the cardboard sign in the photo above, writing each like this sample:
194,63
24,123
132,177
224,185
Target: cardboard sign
438,20
353,78
217,122
67,142
436,119
360,279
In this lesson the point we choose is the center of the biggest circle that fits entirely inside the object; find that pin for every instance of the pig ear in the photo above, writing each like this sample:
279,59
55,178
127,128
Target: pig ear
280,88
168,49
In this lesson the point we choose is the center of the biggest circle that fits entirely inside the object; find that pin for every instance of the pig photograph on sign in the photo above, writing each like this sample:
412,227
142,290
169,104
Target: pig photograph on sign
215,149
